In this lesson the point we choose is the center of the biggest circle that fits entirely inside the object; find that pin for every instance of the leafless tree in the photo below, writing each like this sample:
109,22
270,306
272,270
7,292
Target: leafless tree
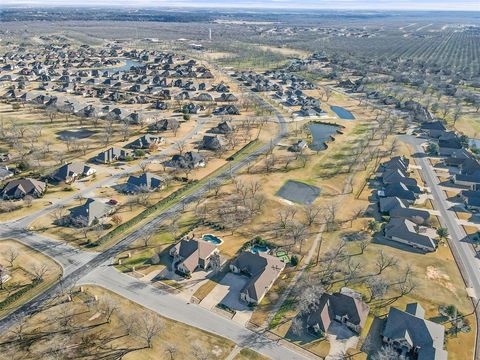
146,238
39,271
144,165
180,146
107,307
312,213
149,326
378,287
12,255
171,350
384,261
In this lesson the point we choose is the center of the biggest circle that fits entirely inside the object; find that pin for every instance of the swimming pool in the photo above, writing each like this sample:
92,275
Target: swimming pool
342,113
259,249
212,238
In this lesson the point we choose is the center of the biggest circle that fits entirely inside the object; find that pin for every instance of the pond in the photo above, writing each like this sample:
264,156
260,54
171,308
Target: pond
299,192
321,134
212,238
75,134
127,64
342,113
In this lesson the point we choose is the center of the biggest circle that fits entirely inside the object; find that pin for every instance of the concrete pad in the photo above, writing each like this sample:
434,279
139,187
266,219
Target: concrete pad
227,292
341,339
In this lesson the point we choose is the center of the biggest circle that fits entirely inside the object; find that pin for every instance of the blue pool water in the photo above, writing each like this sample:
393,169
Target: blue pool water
212,238
321,133
474,143
259,249
342,113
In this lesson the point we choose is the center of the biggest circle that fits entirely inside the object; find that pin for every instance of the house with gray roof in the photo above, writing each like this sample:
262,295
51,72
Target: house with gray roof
412,335
399,190
70,172
192,254
212,143
345,307
261,269
19,188
144,183
146,141
388,203
407,232
112,155
90,213
222,128
417,216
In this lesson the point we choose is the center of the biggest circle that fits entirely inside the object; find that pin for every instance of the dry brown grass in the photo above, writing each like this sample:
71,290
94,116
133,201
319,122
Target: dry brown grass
22,272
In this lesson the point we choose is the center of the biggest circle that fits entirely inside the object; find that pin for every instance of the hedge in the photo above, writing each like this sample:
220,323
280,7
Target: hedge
9,300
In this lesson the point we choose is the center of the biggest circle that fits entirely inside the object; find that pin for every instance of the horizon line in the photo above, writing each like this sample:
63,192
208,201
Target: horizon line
232,7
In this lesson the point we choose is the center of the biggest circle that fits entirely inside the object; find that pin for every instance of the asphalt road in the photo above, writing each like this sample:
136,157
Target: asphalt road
178,309
462,250
88,268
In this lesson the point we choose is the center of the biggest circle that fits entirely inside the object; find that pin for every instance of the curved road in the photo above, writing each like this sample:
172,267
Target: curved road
95,269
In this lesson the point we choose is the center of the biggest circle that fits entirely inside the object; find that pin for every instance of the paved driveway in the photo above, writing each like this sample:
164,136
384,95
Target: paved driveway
227,292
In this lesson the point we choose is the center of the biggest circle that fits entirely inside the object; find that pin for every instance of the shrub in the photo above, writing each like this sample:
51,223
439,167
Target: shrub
139,153
186,117
294,260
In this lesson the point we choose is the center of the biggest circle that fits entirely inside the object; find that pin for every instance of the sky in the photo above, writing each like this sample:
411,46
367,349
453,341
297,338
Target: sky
462,5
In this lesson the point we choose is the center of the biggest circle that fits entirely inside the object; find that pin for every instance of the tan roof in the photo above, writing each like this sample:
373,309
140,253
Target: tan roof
263,269
193,250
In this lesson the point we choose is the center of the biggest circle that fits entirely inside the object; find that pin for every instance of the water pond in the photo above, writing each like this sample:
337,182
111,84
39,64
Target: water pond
321,134
342,113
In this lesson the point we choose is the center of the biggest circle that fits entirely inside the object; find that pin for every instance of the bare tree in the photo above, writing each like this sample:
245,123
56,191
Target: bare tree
12,255
39,271
384,261
149,326
146,238
144,165
311,214
378,287
180,146
107,307
171,350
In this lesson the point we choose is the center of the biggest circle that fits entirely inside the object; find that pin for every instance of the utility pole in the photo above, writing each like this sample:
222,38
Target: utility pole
210,34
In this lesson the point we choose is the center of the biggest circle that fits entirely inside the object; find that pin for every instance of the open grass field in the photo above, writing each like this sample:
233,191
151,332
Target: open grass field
27,265
88,317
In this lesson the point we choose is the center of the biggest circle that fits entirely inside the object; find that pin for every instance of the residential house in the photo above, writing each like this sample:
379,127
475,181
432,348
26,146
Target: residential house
262,270
189,160
399,190
164,125
5,173
212,143
412,335
90,213
112,155
471,199
70,172
407,232
144,183
345,307
227,110
223,128
19,188
299,146
192,254
146,141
